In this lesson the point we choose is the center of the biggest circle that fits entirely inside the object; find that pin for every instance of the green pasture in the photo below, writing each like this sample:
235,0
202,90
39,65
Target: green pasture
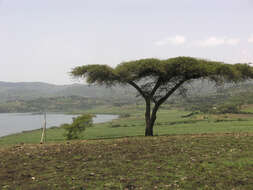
131,123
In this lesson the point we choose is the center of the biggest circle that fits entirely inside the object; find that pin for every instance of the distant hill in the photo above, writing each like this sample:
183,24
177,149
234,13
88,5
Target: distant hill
32,90
53,104
10,91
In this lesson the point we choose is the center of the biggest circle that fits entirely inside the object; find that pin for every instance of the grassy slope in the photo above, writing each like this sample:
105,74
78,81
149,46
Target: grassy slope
189,162
168,122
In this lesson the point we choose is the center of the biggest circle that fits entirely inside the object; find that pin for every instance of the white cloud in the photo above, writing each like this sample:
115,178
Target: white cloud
211,42
175,40
232,41
250,40
215,41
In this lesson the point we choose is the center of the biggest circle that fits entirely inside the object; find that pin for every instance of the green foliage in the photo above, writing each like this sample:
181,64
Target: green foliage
186,67
157,80
37,97
228,108
76,128
101,74
218,108
53,104
230,100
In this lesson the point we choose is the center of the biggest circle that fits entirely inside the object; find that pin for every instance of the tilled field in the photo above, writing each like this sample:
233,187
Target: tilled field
222,161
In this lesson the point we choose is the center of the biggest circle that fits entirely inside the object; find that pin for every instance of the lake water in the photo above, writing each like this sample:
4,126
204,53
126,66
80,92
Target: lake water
17,122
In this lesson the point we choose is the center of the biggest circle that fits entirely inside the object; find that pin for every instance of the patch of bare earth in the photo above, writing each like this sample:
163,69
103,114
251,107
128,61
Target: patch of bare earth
215,161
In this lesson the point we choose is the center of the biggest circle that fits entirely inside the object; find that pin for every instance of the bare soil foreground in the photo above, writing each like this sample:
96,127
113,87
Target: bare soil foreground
223,161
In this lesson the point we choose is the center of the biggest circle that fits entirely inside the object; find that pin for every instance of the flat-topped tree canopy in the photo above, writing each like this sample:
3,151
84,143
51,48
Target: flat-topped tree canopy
156,79
185,67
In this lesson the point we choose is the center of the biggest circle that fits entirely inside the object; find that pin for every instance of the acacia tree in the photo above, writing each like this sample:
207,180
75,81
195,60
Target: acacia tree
156,80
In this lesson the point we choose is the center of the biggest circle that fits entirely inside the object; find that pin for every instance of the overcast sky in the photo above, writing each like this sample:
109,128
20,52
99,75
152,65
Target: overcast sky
41,40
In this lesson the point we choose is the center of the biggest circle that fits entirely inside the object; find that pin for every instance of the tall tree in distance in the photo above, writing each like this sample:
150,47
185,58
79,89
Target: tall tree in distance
156,80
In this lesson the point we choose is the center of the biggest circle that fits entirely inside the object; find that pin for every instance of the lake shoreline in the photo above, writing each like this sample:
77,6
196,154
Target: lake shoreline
54,120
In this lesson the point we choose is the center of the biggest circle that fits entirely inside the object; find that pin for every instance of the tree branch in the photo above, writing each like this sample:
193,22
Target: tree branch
137,88
157,85
153,100
164,98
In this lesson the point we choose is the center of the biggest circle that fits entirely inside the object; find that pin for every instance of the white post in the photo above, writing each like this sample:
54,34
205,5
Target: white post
43,135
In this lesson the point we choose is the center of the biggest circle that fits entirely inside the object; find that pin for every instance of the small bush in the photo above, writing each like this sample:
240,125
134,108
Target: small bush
228,108
118,125
190,114
126,115
76,128
115,125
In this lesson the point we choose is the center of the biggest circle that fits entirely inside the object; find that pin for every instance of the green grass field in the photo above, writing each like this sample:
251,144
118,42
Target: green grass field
169,122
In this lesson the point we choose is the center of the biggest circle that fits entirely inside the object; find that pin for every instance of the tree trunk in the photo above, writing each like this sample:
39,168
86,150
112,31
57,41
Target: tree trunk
150,118
149,126
149,130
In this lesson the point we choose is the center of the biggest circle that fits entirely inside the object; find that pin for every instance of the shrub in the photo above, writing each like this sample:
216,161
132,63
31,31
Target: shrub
228,108
125,115
77,127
